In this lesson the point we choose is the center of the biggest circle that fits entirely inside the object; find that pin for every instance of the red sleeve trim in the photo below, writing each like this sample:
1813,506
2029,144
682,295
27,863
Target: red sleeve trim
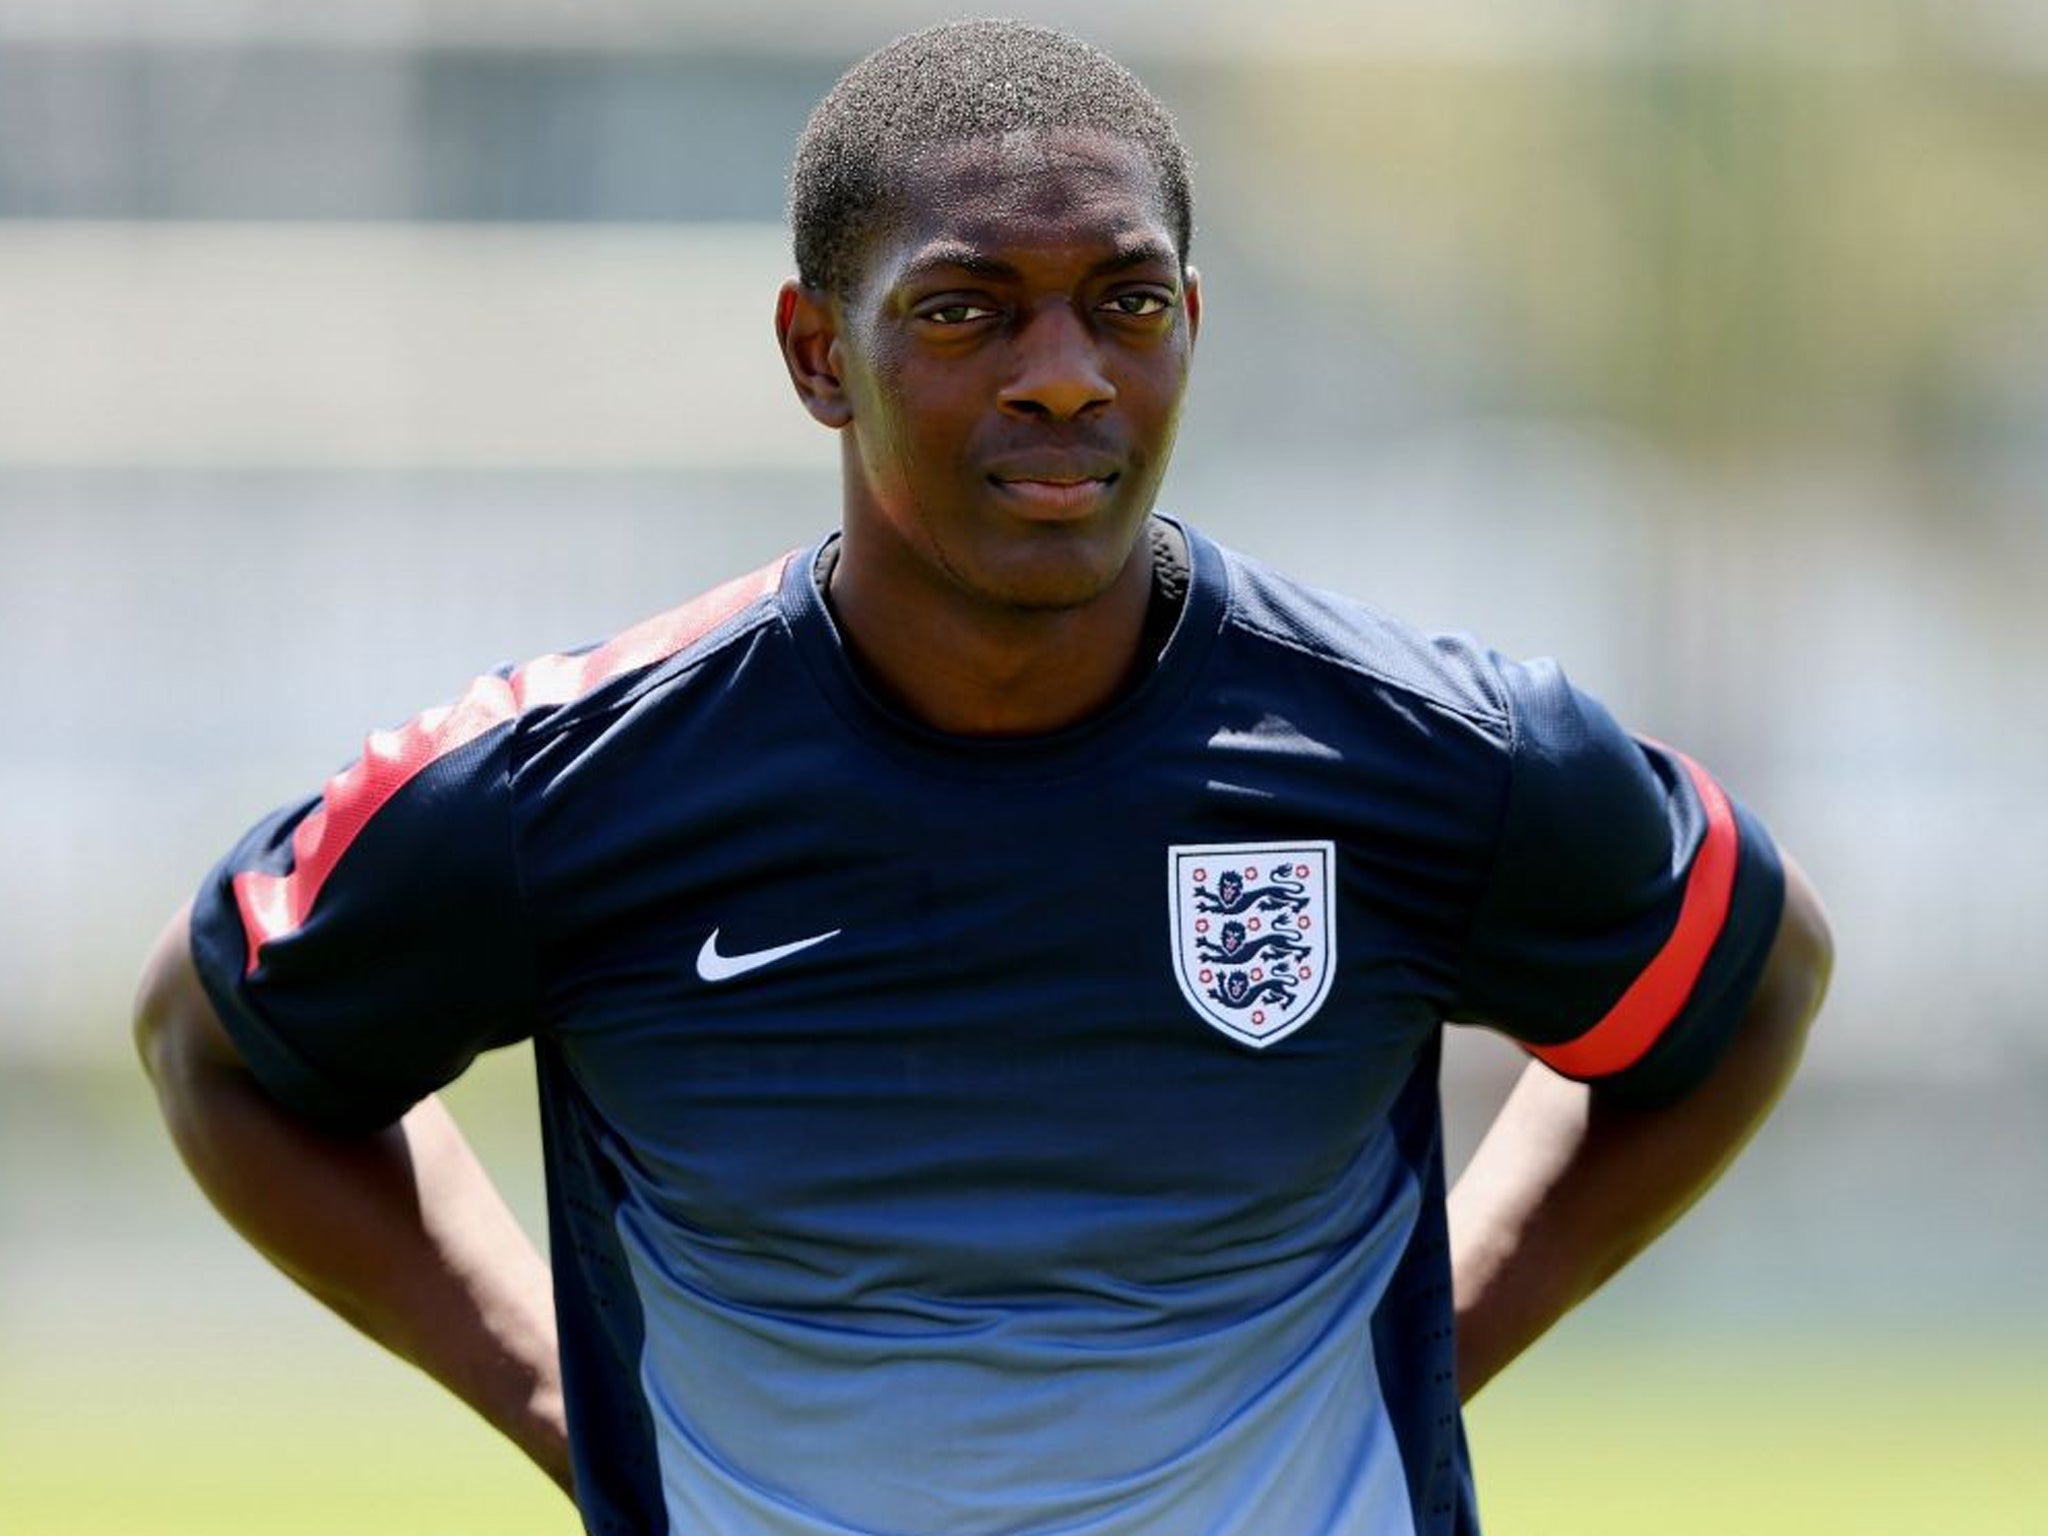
1660,992
273,906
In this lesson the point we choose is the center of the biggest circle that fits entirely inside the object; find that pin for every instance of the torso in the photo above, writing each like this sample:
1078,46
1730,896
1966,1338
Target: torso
999,1192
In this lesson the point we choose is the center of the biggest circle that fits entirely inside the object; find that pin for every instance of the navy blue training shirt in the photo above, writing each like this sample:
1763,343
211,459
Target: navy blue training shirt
998,1136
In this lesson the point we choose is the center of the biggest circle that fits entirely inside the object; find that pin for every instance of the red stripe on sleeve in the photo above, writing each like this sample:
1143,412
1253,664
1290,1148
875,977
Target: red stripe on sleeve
273,906
1660,992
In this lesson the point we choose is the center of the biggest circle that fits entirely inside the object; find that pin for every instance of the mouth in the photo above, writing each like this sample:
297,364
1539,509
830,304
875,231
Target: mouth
1054,496
1055,485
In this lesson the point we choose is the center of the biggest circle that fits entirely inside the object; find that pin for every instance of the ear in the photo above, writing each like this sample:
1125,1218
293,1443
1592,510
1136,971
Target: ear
808,332
1191,300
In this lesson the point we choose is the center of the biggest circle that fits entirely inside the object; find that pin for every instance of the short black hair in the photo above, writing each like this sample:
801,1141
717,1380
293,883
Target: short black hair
963,80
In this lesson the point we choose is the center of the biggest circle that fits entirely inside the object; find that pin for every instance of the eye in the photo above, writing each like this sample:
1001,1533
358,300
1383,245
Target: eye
1138,304
956,312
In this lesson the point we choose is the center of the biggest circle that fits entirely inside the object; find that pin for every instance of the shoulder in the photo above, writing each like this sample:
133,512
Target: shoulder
420,804
1529,708
1527,752
553,692
1450,674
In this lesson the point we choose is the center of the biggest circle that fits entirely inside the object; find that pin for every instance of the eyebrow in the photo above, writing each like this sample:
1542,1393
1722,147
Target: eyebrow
960,256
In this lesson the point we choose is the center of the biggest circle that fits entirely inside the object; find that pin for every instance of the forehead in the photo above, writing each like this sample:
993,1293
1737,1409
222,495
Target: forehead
1039,191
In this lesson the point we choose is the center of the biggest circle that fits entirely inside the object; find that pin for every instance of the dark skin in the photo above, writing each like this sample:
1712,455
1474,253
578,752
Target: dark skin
1567,1186
1005,375
400,1231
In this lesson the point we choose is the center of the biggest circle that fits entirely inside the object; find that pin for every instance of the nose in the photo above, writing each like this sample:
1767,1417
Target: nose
1059,374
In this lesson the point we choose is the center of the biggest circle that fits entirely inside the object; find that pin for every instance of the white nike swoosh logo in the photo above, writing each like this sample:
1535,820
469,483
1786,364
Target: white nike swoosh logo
713,966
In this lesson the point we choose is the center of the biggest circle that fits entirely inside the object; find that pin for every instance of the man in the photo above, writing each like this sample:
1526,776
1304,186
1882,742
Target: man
986,970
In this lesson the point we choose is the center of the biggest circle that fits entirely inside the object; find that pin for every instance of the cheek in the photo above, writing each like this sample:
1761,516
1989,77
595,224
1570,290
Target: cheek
881,426
1155,397
917,428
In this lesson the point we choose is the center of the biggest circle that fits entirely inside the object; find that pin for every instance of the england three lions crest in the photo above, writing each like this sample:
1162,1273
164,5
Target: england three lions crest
1254,934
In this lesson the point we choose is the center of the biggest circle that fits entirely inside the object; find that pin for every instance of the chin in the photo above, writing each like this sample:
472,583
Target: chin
1058,571
1046,596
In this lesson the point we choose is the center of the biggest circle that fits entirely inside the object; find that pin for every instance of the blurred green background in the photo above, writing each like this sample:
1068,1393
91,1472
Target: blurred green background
344,353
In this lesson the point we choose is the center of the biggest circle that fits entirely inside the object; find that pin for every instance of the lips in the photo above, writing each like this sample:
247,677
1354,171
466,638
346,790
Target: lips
1054,500
1051,484
1053,468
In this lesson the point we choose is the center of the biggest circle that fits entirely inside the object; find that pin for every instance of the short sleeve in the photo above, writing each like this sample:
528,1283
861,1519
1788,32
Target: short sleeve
363,945
1631,904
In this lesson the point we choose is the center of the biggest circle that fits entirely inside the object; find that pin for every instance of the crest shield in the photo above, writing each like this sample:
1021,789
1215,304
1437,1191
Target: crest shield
1254,934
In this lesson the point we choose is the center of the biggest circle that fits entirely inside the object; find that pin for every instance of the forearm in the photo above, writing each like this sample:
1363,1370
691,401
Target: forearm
1567,1187
401,1231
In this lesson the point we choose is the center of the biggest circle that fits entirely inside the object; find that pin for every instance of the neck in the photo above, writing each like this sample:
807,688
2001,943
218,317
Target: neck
972,667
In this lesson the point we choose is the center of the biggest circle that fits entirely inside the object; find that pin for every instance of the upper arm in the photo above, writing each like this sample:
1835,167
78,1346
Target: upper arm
357,949
1632,905
175,1022
1801,961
